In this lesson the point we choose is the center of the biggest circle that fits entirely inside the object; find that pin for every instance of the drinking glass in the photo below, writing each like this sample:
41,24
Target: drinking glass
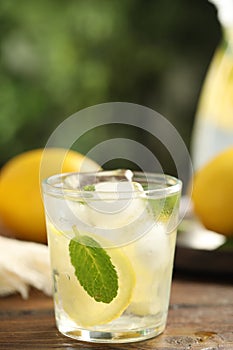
111,237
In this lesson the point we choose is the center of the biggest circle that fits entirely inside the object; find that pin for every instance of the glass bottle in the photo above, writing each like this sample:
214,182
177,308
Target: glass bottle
213,127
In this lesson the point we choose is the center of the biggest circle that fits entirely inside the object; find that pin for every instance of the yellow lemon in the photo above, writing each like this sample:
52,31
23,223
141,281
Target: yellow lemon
213,193
21,207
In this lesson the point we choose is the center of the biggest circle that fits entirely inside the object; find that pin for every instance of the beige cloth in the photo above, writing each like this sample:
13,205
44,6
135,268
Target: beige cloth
23,264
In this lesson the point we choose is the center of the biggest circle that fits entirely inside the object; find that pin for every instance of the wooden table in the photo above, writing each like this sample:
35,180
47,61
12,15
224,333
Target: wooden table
200,317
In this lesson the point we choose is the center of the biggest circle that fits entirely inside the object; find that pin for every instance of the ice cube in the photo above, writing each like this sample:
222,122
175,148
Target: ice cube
116,204
151,256
152,250
117,210
151,293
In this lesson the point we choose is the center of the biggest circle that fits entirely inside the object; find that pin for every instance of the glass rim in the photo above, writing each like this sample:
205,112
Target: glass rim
167,184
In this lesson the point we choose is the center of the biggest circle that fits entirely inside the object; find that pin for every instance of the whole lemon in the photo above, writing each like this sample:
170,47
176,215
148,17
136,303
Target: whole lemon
213,193
21,207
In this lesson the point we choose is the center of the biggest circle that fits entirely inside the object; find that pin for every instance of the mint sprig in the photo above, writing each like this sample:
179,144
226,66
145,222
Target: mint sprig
90,188
93,268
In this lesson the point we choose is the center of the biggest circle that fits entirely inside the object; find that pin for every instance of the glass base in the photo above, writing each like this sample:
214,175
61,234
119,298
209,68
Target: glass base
113,337
128,328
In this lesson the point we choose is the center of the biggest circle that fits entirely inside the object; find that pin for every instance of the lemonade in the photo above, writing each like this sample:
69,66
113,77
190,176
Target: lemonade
111,236
213,128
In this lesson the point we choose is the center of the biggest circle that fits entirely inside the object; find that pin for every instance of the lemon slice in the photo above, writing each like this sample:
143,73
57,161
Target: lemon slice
78,305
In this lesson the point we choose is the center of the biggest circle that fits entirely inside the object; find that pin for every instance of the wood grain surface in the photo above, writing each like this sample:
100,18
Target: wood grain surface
200,318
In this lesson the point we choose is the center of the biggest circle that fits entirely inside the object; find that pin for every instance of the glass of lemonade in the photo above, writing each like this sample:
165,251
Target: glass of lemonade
111,236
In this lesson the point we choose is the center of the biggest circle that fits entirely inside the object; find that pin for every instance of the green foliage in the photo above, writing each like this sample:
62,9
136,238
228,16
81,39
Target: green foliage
58,57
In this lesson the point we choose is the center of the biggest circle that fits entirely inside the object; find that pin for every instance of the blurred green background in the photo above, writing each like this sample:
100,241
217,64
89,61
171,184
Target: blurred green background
58,57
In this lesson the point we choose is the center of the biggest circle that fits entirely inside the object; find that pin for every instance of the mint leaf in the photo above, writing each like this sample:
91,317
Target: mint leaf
93,268
170,203
165,206
89,188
